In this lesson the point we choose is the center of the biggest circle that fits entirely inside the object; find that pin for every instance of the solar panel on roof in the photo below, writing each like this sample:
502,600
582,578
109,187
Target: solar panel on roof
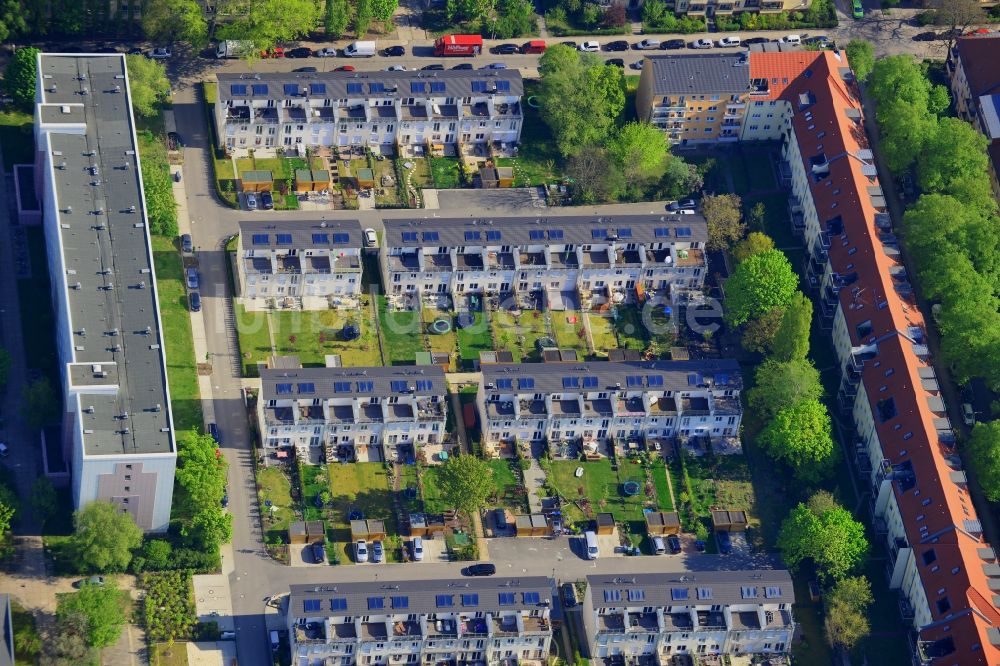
704,593
376,87
571,382
409,236
430,236
479,86
636,595
283,239
417,87
291,89
311,605
507,598
341,238
342,387
376,603
654,380
505,383
321,239
397,385
260,89
526,383
400,602
470,600
493,235
503,86
472,235
555,234
612,595
424,384
338,604
317,88
307,387
771,592
692,379
678,593
282,389
624,232
661,232
599,233
590,382
354,88
536,234
366,386
530,597
437,86
261,239
683,232
444,601
633,380
238,90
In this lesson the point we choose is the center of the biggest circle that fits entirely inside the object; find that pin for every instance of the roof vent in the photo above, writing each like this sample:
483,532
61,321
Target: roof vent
64,108
89,410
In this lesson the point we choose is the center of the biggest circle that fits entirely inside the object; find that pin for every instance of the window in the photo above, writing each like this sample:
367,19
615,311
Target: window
444,601
528,598
864,329
929,556
376,603
338,604
943,605
400,602
470,600
886,409
507,598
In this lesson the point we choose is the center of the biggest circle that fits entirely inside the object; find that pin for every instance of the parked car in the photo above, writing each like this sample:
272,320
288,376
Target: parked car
791,39
225,500
755,40
857,11
501,519
673,206
689,204
505,49
570,43
656,545
647,45
345,68
616,62
360,551
702,44
325,52
273,52
925,37
251,201
266,201
417,548
371,238
305,70
495,65
186,244
822,40
617,45
436,67
192,278
174,141
213,430
674,543
319,553
463,65
93,580
160,54
394,51
590,47
135,50
637,65
699,545
378,552
725,543
395,68
672,44
194,299
569,595
968,415
730,41
481,569
301,52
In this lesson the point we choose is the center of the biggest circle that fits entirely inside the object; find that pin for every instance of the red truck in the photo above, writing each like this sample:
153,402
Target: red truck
458,45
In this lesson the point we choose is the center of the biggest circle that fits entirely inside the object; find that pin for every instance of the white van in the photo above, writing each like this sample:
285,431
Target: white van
359,50
791,39
591,543
656,545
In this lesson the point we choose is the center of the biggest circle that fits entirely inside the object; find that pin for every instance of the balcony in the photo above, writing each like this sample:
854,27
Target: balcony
595,408
565,408
596,259
343,631
278,416
341,414
690,257
373,631
611,624
499,409
505,626
267,116
474,627
693,406
400,412
677,622
727,404
630,407
778,619
532,409
746,621
469,261
370,413
535,625
311,633
500,260
404,262
663,406
311,414
710,621
442,628
289,264
628,258
536,259
430,409
643,622
405,628
258,265
565,259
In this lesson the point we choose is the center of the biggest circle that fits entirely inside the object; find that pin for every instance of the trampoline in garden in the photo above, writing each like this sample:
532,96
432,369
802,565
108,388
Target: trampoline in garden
533,102
631,488
465,320
350,332
440,326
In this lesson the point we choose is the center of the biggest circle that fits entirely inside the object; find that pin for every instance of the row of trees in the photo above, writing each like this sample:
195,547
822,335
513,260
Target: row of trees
957,263
86,621
502,19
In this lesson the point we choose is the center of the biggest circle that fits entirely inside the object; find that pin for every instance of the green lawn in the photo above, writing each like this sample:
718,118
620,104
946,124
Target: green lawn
274,486
475,338
537,160
603,331
169,654
438,342
660,473
313,334
631,330
602,487
506,482
361,486
568,330
182,372
445,170
255,340
401,334
430,490
519,334
16,138
314,481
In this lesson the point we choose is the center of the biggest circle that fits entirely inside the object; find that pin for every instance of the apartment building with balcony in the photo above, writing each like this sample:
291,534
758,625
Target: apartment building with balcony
656,619
596,403
307,264
944,570
490,621
975,87
361,414
118,430
695,98
383,111
595,259
713,7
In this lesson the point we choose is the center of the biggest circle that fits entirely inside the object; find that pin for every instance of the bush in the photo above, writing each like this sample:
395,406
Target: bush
169,611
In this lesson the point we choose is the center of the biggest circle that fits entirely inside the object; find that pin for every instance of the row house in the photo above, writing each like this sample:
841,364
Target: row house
695,98
659,618
713,7
975,87
364,414
443,622
379,110
597,259
937,559
299,263
601,402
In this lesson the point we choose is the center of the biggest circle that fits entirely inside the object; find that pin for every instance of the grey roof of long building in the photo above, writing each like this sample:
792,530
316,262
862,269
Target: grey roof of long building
676,376
702,588
457,83
576,229
700,73
102,226
311,234
422,596
323,383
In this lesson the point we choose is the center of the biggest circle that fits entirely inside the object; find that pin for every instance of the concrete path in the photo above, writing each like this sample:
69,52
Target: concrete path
534,479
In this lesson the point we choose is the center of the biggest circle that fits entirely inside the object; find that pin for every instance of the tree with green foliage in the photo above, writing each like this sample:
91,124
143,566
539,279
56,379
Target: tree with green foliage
581,97
12,23
161,207
762,282
201,483
465,482
679,178
781,385
65,642
44,500
954,151
40,403
362,17
594,176
382,10
724,216
791,340
336,18
156,554
758,333
169,611
19,77
861,57
105,537
755,243
513,18
104,608
175,20
801,436
984,457
266,23
847,604
7,511
147,83
904,128
832,540
639,151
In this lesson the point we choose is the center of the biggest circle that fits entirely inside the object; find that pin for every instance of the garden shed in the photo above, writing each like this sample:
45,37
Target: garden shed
605,523
662,523
531,525
492,177
256,181
724,520
306,531
370,530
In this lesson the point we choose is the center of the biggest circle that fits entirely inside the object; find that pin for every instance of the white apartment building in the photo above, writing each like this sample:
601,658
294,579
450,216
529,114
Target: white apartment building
299,263
352,413
598,402
653,619
380,110
490,621
597,259
118,426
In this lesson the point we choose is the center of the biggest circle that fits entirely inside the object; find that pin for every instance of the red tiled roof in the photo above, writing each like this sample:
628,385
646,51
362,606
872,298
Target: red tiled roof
879,310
